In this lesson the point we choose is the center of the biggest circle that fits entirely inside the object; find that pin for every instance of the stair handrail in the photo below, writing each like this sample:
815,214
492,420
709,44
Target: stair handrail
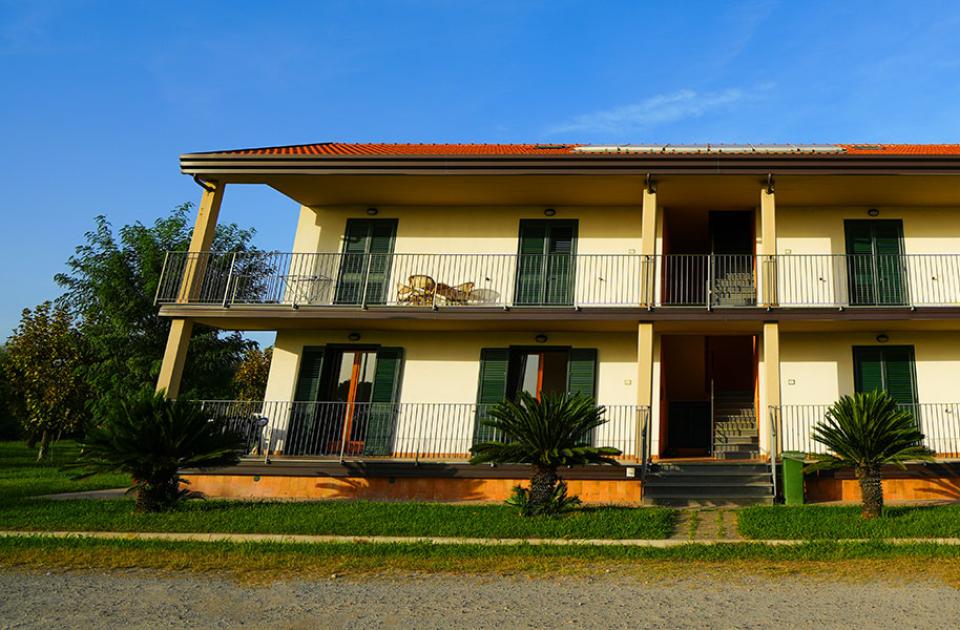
774,418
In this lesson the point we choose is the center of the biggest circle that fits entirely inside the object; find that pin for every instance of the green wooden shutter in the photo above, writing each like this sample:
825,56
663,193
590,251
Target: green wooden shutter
582,376
559,273
860,262
530,262
494,365
900,375
582,372
303,415
382,417
868,369
888,262
383,233
308,379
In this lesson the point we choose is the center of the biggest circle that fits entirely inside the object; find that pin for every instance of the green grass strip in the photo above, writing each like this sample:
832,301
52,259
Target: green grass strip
22,476
347,518
811,522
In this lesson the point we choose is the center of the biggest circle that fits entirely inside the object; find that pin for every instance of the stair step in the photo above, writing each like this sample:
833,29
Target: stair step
690,480
708,492
738,455
708,468
711,502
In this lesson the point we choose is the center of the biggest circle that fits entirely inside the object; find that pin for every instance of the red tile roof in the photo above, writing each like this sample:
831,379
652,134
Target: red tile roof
409,149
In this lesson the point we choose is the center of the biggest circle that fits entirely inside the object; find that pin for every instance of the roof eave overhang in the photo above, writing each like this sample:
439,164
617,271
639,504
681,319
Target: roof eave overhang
211,165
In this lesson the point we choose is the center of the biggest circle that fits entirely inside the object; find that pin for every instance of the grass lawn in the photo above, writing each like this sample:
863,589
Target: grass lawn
811,522
22,476
339,517
267,561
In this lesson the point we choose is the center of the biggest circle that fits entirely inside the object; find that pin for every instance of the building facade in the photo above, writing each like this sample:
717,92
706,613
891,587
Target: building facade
715,299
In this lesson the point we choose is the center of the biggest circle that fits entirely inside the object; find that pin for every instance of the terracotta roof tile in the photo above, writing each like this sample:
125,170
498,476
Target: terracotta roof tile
439,150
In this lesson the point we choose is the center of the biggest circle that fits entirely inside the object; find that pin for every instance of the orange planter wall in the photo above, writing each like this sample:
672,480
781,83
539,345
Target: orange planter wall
407,488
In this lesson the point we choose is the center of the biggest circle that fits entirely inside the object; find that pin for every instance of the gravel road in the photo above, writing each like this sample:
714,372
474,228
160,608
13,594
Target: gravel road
139,599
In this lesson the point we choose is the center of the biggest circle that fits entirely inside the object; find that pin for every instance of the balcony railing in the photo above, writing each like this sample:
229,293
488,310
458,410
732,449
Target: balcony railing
394,431
560,280
939,423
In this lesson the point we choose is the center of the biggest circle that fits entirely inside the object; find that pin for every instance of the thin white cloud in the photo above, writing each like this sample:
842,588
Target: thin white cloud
653,111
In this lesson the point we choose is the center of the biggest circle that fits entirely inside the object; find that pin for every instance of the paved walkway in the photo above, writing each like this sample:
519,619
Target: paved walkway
440,540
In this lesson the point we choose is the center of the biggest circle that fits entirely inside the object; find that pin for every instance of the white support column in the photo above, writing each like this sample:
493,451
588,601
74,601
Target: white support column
645,344
178,340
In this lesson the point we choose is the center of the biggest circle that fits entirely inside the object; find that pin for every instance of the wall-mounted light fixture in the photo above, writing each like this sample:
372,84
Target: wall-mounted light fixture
372,211
354,336
549,212
882,338
873,212
540,338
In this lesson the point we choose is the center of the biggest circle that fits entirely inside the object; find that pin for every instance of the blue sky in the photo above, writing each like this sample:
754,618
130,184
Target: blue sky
99,98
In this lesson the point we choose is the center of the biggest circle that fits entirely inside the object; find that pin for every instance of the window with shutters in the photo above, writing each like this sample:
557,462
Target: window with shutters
875,264
546,262
365,261
886,368
346,401
504,372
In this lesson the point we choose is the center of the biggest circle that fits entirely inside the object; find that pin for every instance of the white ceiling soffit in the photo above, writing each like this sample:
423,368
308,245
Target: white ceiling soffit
712,148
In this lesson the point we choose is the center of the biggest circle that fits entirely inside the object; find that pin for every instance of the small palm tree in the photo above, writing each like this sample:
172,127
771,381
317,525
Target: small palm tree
865,432
548,434
152,439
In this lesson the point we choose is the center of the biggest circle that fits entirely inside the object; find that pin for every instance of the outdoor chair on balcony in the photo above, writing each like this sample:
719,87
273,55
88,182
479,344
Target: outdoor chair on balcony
419,291
459,294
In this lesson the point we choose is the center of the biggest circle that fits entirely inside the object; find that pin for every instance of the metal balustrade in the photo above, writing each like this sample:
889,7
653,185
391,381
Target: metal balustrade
393,431
939,423
560,280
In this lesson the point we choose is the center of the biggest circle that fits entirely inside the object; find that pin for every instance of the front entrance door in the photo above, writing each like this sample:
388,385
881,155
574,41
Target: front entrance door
875,266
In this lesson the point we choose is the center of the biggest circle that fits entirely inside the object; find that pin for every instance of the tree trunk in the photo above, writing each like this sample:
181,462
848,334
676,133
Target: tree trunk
158,497
542,484
44,445
871,491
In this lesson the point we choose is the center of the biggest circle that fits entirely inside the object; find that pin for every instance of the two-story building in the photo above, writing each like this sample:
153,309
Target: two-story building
715,299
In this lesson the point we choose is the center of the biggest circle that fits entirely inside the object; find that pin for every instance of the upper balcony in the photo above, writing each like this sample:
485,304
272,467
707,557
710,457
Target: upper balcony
349,281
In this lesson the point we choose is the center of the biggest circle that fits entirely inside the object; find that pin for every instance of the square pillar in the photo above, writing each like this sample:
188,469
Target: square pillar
767,249
204,229
174,357
645,382
648,246
771,383
178,339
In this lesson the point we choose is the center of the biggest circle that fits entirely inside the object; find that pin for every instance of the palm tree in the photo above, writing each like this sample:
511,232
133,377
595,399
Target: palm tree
865,432
152,439
547,434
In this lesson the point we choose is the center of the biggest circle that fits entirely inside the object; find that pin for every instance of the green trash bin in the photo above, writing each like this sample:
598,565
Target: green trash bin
793,477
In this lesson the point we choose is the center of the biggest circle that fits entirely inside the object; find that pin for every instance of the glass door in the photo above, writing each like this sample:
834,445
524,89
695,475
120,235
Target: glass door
351,393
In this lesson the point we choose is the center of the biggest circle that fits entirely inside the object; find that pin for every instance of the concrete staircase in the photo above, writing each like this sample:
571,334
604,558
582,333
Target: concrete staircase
708,484
734,289
735,434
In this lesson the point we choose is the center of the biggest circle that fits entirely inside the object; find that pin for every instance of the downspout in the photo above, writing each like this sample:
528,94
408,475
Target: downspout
202,184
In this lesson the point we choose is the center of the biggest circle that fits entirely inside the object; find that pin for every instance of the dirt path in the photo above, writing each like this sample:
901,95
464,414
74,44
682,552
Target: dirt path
700,524
139,599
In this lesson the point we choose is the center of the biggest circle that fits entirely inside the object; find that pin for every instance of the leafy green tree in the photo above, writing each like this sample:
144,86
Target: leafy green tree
865,432
547,434
43,361
250,379
11,402
110,287
152,439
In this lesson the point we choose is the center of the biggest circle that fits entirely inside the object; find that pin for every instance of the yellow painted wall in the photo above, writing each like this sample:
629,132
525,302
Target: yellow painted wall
817,368
472,229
